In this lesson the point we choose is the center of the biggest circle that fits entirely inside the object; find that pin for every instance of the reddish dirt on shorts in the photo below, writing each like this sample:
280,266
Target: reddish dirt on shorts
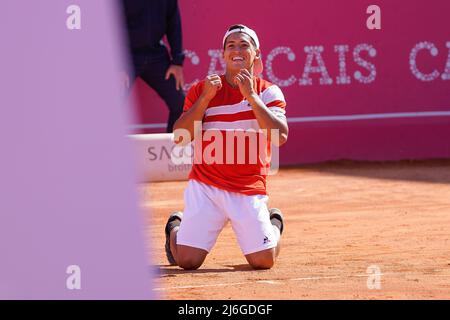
344,223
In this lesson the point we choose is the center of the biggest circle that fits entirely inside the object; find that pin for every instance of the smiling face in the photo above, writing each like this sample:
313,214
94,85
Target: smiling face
239,52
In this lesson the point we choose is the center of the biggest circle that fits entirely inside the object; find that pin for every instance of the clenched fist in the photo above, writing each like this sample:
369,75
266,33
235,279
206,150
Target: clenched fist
213,83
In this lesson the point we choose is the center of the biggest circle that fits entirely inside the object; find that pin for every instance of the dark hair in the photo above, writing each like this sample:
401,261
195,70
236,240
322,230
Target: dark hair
238,26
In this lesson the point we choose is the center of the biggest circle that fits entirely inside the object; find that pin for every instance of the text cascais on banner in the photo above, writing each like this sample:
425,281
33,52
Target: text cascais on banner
316,64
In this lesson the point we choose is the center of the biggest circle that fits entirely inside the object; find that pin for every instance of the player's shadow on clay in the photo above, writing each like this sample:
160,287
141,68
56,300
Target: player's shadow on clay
170,271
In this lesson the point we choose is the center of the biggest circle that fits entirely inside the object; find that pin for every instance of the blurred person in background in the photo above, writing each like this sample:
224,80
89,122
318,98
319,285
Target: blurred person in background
147,22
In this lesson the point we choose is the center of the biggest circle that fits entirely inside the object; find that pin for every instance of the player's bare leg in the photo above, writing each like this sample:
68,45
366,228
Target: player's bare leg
186,257
265,259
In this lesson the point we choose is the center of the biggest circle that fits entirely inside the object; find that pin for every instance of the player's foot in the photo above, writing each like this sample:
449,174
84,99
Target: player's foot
276,218
173,221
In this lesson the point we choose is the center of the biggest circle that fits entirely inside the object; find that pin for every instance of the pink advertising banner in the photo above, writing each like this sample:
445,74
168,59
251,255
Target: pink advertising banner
352,92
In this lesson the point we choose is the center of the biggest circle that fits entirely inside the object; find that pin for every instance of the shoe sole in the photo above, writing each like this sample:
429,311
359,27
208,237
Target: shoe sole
173,216
276,213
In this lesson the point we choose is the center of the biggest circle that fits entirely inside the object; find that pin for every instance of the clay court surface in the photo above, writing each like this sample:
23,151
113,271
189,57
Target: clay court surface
340,219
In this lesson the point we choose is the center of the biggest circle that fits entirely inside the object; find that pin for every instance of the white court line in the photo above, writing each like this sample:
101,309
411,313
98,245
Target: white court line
351,117
203,286
281,281
268,281
338,277
273,282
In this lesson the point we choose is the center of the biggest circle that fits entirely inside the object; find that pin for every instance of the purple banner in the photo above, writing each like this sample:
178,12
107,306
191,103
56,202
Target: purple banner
70,227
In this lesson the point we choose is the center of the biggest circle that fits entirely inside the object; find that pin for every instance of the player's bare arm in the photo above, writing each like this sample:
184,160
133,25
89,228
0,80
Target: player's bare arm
212,84
266,119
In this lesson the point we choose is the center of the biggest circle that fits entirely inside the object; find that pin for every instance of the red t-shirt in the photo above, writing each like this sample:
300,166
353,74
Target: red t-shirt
229,162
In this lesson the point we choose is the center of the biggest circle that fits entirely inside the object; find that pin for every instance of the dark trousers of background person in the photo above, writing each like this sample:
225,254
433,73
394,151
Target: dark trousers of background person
153,72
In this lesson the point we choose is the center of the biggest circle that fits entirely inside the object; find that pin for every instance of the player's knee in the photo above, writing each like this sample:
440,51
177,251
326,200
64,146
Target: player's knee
265,260
189,260
189,264
262,263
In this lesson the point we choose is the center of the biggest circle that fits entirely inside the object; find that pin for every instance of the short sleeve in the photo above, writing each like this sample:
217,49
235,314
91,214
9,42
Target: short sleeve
274,99
192,96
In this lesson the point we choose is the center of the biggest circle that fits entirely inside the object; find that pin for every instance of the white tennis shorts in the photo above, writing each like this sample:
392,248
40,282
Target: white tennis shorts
208,209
